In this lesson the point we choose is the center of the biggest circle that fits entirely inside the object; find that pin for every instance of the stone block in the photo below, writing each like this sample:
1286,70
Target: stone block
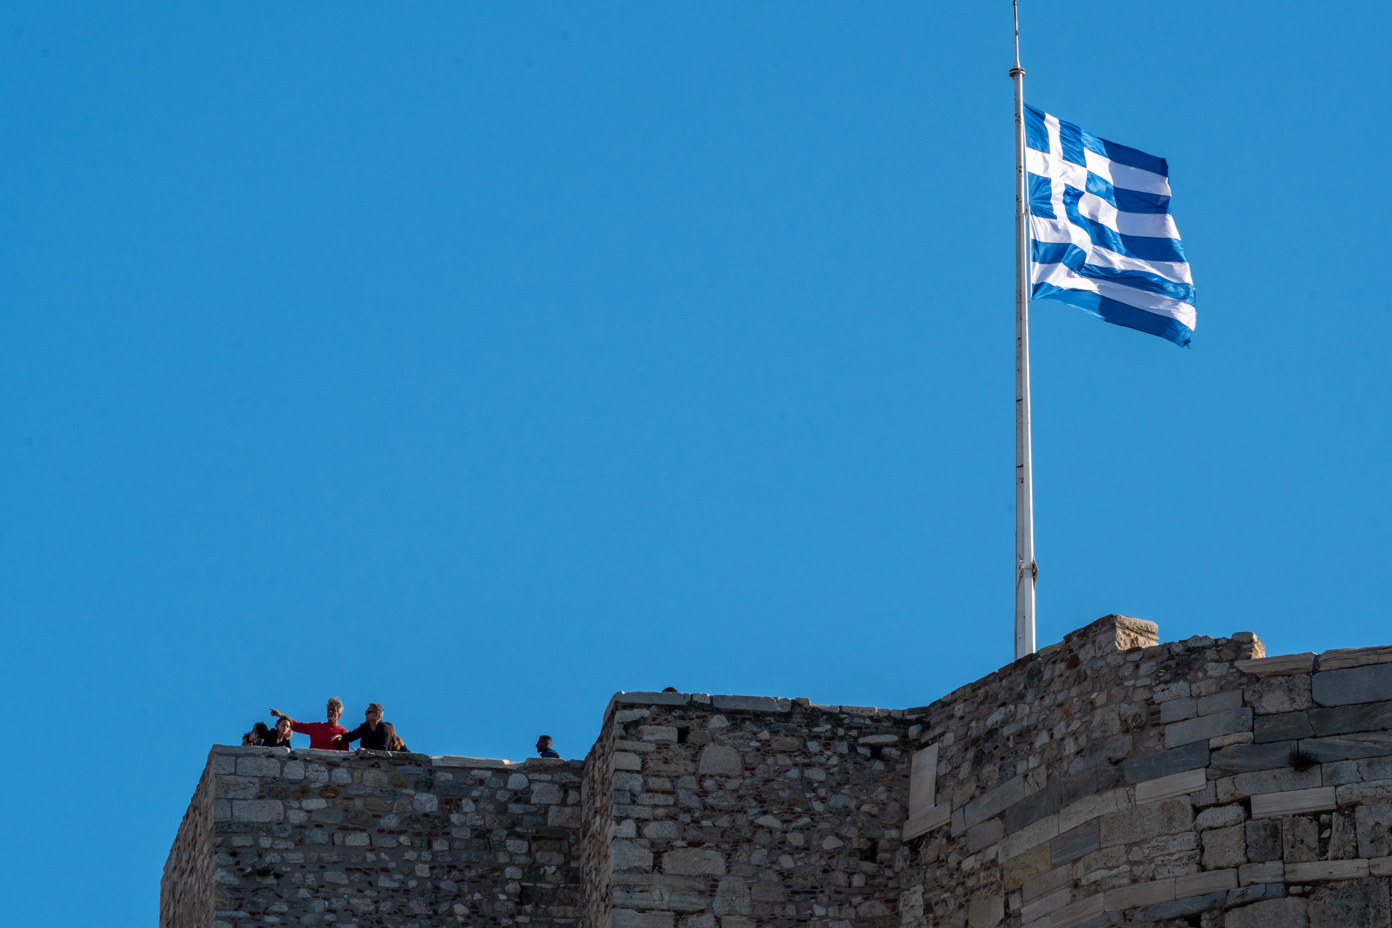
1349,747
628,918
1032,808
1220,702
993,802
1094,806
1073,844
1205,727
257,810
753,703
1246,758
1138,894
650,699
1020,869
935,817
1269,913
1342,658
985,910
258,766
1189,757
1224,847
1028,837
1048,882
1300,839
1044,905
675,894
1279,664
631,856
1315,871
1147,821
1272,695
1075,913
1220,817
1293,802
720,760
984,834
693,861
732,897
1176,784
1374,826
923,779
1285,726
1372,683
1380,866
1271,871
1263,839
1177,710
627,760
1181,907
1274,781
1202,884
1362,903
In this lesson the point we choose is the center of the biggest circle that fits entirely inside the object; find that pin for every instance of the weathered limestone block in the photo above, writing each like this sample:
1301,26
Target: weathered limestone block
1299,839
1263,839
1349,747
732,897
1374,825
1269,913
1278,665
693,861
1372,683
994,801
1284,726
1279,694
1361,902
1293,802
985,910
1245,758
1176,784
720,760
631,856
1165,763
1204,727
1220,817
1224,847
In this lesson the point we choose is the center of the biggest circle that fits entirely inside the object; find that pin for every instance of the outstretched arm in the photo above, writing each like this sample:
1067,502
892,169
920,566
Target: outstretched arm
280,715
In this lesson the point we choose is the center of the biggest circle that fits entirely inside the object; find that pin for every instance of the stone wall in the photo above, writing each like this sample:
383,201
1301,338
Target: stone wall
1195,783
189,884
311,838
737,811
1107,781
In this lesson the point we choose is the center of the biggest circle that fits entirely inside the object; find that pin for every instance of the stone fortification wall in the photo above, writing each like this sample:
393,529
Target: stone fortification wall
1107,782
311,838
1188,784
736,811
189,882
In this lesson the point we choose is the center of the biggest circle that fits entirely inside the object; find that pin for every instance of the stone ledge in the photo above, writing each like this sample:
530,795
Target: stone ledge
1279,665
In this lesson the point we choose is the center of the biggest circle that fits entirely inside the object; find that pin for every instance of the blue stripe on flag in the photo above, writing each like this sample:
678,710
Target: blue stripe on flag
1128,201
1075,259
1119,313
1083,262
1132,246
1123,155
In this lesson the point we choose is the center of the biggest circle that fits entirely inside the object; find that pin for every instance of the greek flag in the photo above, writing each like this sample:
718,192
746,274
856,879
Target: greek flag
1101,233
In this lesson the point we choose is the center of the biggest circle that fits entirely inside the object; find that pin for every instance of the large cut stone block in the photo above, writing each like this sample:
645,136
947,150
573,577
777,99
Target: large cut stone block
1176,784
1279,664
994,801
1270,913
1318,870
923,780
1165,763
720,760
1362,903
1073,844
1341,658
1349,747
1372,683
693,861
1207,726
1293,802
1341,720
1285,726
1244,758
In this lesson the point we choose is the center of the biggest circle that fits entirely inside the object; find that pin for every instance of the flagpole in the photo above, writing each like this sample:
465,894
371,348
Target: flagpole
1025,568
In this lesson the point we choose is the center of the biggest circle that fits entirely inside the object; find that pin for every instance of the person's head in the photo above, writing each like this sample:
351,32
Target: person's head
373,714
258,732
283,728
334,709
544,743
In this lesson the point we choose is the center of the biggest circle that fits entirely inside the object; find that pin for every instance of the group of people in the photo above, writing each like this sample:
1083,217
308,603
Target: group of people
374,734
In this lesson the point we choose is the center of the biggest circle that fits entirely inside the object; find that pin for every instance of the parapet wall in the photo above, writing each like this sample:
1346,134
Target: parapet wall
1107,781
311,838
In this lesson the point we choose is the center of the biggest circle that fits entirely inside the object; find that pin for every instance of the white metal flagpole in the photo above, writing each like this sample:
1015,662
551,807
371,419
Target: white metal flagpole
1025,568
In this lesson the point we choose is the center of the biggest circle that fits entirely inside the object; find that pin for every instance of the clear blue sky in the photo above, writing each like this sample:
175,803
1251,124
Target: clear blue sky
484,359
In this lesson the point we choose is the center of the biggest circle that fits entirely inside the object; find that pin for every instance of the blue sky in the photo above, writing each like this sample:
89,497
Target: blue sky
485,359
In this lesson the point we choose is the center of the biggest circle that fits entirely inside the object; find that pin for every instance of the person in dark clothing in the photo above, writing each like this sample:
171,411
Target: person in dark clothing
259,732
372,732
278,737
393,742
544,747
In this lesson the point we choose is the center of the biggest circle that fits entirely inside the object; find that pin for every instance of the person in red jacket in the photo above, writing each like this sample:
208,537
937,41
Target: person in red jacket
321,734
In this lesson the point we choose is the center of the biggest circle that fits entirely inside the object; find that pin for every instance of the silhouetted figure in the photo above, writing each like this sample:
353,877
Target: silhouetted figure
372,732
544,747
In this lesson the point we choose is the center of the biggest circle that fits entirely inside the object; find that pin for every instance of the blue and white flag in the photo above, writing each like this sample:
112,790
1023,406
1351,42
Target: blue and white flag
1101,233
